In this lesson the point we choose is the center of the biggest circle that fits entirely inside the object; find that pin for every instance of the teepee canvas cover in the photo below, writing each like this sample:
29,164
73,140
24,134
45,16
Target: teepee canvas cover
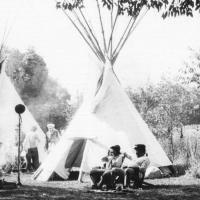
109,119
9,98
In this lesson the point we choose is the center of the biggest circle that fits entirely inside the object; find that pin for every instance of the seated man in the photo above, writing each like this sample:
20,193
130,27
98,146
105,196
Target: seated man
103,176
137,169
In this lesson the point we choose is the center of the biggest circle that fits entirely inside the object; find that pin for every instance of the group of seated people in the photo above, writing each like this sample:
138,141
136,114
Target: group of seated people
114,173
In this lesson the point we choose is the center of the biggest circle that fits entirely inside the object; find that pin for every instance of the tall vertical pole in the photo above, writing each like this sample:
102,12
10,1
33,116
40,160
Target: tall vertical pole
19,109
18,163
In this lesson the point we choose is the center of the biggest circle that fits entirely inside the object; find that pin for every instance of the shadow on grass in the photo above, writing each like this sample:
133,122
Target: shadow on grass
161,192
39,192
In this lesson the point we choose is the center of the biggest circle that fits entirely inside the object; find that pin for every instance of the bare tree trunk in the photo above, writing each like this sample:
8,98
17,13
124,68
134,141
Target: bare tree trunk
181,136
171,142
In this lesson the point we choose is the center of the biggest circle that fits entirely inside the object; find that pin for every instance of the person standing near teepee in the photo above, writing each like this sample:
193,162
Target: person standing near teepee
30,145
52,137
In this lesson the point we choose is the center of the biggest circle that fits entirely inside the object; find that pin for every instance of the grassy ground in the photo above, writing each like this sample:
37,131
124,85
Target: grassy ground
169,188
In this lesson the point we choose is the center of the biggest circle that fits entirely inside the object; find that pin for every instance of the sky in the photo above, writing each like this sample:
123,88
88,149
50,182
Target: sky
157,47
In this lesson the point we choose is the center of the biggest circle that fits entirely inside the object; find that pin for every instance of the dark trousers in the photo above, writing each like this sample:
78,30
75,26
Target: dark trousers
32,158
109,177
100,177
95,175
132,173
118,175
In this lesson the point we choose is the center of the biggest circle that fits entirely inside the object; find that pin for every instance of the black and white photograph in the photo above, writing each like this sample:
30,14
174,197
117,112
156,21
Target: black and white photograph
100,99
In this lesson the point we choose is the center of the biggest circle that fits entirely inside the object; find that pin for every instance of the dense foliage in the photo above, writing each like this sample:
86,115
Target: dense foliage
190,73
129,7
133,7
28,71
167,107
182,7
45,98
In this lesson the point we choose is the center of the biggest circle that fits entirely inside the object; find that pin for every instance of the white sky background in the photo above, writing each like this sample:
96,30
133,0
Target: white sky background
156,47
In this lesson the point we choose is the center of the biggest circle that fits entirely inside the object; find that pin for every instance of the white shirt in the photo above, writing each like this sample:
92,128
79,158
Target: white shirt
142,162
117,161
31,140
53,136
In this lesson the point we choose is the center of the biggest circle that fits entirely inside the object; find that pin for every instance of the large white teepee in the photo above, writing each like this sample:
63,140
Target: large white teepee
9,98
109,119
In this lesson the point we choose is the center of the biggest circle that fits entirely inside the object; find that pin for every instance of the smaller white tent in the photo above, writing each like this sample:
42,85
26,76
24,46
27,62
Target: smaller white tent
109,119
9,120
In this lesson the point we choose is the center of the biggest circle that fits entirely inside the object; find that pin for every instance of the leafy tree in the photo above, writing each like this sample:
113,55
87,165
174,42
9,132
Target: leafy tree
190,76
52,106
45,98
28,72
165,107
182,7
145,99
190,73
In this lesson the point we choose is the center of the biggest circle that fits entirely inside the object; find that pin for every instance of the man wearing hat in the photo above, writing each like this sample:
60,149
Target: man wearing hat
136,169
